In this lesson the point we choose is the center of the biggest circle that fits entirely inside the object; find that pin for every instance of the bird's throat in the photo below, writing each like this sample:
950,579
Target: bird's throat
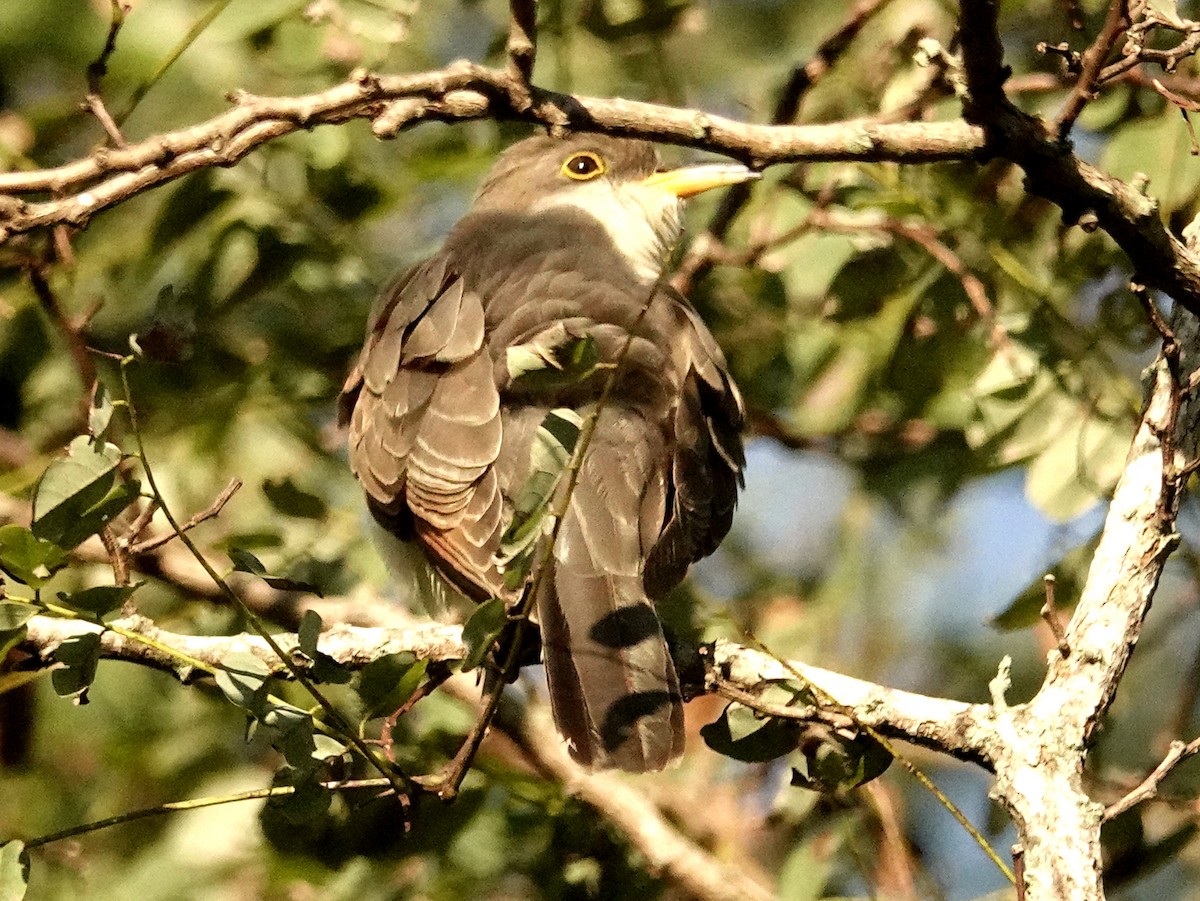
643,223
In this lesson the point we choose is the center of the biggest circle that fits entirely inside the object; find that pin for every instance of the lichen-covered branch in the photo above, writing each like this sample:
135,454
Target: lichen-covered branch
949,726
462,91
1041,746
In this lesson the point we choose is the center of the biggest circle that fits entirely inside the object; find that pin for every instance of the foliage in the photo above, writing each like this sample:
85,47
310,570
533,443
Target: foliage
959,368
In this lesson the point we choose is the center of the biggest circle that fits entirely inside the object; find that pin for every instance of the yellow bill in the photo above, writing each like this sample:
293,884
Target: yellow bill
688,181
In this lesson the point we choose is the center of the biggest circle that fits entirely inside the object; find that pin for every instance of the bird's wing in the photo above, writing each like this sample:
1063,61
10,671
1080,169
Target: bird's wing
425,430
706,458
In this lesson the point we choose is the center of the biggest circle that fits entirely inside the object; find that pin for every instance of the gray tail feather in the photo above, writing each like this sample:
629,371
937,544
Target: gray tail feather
613,686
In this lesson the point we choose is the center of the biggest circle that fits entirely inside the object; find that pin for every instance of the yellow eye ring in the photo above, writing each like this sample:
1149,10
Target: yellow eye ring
584,166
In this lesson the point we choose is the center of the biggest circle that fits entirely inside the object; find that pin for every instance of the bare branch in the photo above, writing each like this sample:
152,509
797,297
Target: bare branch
352,646
211,511
963,730
1091,62
98,68
1148,788
462,91
522,42
699,873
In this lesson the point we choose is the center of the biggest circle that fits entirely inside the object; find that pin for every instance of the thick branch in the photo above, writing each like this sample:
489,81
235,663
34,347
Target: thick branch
952,727
949,726
1054,172
668,851
461,91
352,646
1043,744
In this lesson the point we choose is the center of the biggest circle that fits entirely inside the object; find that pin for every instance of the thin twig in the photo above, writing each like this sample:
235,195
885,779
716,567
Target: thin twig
1092,61
1148,788
335,717
522,42
118,556
896,858
435,676
98,68
211,511
197,28
1049,613
71,331
131,816
827,704
697,262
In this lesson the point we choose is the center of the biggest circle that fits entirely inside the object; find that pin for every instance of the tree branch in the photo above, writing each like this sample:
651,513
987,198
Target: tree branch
948,726
1054,172
461,91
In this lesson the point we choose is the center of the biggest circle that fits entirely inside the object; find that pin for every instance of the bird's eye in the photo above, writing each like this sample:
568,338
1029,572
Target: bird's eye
583,166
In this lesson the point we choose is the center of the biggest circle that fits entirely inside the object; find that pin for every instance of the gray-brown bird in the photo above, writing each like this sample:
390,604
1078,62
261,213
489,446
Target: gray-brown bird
560,254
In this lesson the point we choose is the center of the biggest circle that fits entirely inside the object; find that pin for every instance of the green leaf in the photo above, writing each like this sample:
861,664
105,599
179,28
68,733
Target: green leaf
14,871
290,500
79,493
293,735
243,679
1079,467
309,631
246,562
79,656
9,639
556,358
326,747
100,412
14,614
324,668
838,762
29,559
308,802
742,734
549,455
388,682
100,599
483,628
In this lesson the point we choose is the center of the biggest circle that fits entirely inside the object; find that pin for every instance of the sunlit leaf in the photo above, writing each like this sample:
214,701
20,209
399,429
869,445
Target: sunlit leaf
243,679
388,682
27,558
79,493
99,412
481,630
555,359
14,614
14,871
550,453
80,657
742,734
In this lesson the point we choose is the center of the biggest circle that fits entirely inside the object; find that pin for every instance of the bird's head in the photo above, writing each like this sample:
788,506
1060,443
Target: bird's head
618,182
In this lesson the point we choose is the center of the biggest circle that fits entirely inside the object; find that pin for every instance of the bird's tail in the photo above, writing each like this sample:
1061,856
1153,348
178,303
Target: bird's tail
612,682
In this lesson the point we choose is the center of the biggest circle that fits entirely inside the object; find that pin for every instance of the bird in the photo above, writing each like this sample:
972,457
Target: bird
560,257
